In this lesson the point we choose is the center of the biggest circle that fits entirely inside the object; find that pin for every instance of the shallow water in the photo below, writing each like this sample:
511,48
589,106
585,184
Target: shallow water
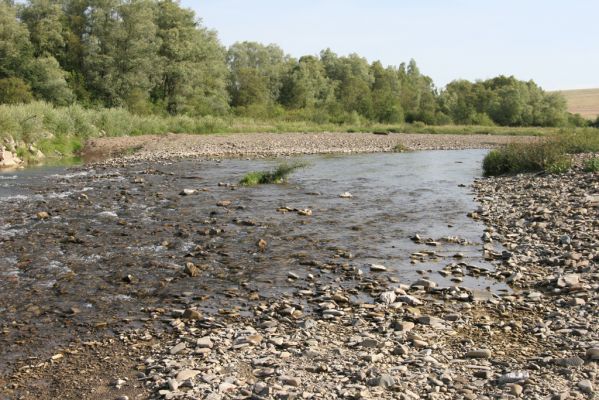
109,227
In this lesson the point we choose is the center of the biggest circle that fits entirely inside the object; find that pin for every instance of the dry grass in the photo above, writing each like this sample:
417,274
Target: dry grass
584,102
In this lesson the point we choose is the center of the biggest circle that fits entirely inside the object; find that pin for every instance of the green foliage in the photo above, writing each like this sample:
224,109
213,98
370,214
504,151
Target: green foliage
277,176
591,165
194,72
551,155
48,81
400,148
16,51
504,101
560,166
46,30
516,158
154,57
14,90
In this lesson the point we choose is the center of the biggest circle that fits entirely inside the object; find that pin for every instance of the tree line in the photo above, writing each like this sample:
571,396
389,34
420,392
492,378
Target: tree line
156,57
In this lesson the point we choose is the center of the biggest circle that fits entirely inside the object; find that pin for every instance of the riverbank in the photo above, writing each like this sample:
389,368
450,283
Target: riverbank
343,328
253,145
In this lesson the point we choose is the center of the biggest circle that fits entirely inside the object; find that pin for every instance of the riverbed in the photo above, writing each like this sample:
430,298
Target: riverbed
116,240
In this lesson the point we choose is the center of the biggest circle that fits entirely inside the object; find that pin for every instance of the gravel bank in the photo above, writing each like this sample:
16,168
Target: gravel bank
272,144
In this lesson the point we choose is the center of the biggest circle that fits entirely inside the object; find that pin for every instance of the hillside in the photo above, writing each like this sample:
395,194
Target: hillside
584,102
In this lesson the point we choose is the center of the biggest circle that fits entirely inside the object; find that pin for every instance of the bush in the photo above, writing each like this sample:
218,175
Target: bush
591,165
279,175
516,158
14,91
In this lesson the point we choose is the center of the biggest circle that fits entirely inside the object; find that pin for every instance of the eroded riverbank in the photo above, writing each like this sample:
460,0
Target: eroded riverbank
305,314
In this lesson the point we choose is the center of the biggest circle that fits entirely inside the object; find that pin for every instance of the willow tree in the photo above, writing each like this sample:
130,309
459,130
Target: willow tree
193,77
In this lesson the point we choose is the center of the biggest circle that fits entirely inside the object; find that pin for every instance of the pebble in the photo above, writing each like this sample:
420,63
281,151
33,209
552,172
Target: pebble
514,377
377,268
593,353
570,362
586,386
178,348
204,342
516,390
186,374
480,353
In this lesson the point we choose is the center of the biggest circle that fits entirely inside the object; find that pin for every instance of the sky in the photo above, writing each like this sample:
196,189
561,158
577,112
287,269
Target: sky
556,43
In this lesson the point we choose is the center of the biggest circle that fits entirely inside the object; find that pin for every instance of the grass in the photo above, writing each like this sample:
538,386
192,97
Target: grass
277,176
551,154
591,165
400,148
60,132
584,102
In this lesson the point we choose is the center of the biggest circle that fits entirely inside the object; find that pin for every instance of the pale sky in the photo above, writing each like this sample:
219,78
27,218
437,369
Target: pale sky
556,43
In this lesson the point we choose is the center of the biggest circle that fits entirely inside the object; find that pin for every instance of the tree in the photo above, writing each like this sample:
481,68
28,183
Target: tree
136,50
42,74
16,50
307,85
48,81
385,94
192,61
352,79
44,22
268,66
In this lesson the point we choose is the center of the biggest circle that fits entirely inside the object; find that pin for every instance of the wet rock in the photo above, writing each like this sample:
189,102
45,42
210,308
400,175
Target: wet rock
377,268
108,215
411,300
42,215
192,314
292,275
261,245
425,283
192,270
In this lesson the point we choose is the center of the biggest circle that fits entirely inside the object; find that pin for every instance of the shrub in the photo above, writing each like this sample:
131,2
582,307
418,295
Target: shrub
14,91
591,165
279,175
516,158
400,148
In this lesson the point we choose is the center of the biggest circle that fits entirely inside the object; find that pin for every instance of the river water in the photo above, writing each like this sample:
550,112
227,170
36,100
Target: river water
117,239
